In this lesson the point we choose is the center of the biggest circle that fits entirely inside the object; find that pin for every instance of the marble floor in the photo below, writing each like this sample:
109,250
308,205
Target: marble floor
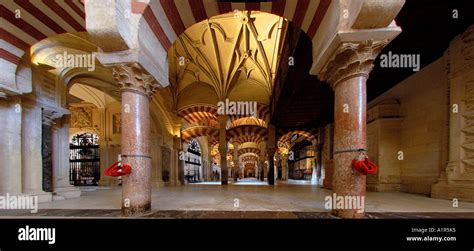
251,195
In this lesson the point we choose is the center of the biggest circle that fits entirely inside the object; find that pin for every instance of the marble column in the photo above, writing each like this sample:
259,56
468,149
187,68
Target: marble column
32,160
261,170
223,148
137,88
347,72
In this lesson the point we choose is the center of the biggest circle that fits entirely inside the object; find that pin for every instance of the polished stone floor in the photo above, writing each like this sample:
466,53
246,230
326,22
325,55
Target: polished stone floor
290,199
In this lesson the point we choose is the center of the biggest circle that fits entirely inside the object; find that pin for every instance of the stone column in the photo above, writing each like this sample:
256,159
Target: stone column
210,176
284,166
223,148
107,157
58,129
347,72
236,162
137,88
271,147
10,153
271,166
179,149
32,160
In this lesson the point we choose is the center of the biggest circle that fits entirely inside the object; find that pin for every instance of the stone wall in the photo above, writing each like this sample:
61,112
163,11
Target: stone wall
384,144
423,127
457,178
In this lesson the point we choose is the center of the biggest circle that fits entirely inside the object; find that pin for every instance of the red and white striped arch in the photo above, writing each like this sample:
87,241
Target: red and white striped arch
198,131
255,151
246,130
162,22
263,116
25,22
168,19
284,140
165,20
195,114
248,138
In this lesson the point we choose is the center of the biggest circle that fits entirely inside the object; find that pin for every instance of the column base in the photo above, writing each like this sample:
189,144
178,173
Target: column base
384,187
156,184
69,192
348,213
321,182
138,210
42,196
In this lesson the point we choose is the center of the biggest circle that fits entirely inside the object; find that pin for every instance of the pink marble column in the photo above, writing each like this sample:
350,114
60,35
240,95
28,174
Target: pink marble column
347,72
349,134
137,88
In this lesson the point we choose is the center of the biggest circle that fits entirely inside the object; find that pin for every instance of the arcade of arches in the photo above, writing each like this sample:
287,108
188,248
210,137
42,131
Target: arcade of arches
191,93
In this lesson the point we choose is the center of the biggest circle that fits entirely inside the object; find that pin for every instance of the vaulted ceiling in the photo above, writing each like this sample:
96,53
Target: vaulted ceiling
232,56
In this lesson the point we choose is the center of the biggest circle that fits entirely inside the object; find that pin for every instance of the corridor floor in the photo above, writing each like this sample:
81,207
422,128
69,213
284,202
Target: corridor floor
247,196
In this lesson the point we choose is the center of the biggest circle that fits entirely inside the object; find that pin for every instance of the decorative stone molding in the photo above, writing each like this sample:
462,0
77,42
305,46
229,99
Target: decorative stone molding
81,117
468,43
131,77
49,116
457,180
385,109
376,14
351,59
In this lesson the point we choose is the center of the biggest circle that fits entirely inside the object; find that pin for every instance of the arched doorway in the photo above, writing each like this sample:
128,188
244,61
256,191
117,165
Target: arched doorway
302,164
84,160
193,162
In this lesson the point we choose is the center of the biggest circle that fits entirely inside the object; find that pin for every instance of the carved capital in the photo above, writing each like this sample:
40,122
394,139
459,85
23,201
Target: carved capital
131,77
351,59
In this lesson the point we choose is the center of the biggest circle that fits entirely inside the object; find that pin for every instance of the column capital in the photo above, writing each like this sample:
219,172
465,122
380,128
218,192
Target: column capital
351,59
132,77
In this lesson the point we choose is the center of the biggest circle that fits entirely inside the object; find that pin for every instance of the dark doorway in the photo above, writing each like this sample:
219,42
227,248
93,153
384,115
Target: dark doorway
47,154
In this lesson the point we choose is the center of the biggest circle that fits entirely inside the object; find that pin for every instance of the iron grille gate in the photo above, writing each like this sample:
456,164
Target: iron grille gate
84,160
